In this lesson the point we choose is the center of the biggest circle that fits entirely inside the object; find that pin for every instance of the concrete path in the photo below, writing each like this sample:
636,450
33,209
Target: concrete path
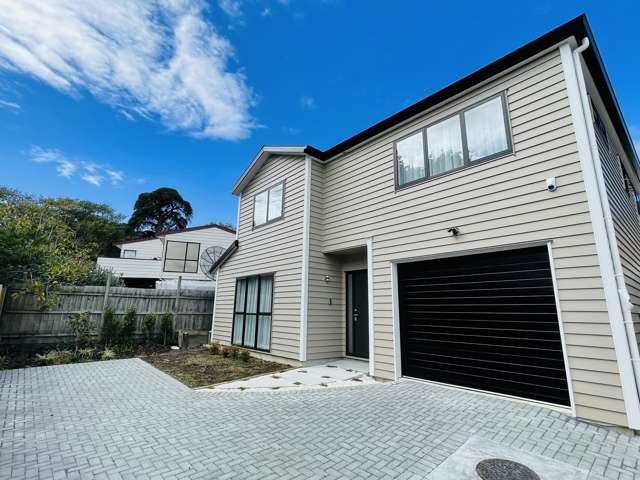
124,419
341,373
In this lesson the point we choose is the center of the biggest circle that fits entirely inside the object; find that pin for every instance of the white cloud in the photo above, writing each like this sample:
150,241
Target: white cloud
233,8
9,105
307,102
116,176
93,179
160,59
266,12
292,130
66,167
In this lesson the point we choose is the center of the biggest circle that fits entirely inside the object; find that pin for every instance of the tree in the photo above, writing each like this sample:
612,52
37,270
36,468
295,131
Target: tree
46,243
96,225
160,210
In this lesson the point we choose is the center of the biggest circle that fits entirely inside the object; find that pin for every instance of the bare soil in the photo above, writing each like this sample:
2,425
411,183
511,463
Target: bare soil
199,368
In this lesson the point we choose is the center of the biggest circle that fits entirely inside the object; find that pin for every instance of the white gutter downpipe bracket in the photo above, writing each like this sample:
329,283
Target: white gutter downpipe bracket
617,299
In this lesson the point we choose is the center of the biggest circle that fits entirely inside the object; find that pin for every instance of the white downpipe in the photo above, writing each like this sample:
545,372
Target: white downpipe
304,289
615,292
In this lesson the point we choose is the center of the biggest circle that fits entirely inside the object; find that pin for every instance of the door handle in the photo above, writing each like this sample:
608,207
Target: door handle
356,314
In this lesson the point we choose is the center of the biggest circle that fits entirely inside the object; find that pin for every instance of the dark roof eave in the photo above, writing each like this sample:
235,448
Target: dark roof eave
231,249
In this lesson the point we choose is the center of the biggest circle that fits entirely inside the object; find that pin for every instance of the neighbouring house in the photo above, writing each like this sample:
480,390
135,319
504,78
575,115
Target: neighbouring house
157,262
486,237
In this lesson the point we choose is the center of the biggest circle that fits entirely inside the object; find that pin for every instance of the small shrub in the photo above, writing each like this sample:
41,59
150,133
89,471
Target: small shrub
166,328
86,354
226,351
149,325
55,357
82,328
107,354
4,362
244,355
110,327
126,350
128,327
235,353
214,348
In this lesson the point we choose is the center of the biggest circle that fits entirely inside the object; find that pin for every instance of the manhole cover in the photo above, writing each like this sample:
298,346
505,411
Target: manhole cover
499,469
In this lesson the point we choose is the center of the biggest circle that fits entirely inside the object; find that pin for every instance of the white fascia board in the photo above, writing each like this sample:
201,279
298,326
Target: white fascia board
576,92
258,161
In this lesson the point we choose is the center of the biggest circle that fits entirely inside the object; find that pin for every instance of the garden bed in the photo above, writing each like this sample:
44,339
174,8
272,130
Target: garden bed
199,368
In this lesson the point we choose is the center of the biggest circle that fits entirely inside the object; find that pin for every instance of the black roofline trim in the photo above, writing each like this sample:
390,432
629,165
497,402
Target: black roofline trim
231,249
577,28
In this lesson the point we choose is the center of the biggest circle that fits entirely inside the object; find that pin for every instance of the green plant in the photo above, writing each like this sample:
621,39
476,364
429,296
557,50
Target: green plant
245,355
226,351
128,327
235,353
82,327
166,328
55,357
214,347
4,362
149,325
107,354
110,327
86,354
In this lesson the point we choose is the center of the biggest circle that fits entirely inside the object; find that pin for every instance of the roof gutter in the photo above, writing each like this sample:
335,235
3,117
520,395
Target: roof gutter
617,298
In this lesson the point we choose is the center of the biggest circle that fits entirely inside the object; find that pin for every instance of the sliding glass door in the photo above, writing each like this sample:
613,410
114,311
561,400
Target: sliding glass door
252,312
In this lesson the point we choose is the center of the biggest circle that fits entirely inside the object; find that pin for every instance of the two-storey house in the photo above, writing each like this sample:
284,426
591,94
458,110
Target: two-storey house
486,237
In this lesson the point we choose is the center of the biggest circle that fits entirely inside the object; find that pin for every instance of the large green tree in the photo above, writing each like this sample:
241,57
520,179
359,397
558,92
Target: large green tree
46,243
160,210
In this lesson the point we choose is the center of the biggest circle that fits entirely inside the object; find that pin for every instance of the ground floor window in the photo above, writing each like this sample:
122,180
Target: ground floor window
252,312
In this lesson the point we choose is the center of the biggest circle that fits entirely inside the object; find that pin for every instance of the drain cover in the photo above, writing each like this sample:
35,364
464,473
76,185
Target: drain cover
499,469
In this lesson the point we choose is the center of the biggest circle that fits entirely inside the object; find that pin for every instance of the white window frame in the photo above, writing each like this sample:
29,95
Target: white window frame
274,219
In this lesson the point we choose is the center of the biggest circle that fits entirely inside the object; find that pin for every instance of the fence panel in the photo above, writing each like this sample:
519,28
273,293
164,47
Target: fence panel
22,320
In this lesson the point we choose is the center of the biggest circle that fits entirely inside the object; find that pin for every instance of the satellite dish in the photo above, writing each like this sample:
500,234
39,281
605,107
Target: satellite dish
208,258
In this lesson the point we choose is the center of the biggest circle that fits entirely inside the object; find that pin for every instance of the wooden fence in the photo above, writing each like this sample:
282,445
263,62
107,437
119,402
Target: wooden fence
22,320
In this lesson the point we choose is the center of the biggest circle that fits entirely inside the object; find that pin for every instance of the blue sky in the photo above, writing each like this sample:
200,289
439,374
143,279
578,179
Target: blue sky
102,102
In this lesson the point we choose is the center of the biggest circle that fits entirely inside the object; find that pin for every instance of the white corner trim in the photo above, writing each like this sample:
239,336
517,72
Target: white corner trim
215,303
578,102
397,357
563,341
372,333
304,289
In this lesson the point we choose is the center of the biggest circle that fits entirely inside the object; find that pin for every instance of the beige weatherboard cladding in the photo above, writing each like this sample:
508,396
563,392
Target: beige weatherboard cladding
355,208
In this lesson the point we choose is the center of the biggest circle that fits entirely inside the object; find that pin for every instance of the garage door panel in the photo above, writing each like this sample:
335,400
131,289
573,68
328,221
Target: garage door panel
484,321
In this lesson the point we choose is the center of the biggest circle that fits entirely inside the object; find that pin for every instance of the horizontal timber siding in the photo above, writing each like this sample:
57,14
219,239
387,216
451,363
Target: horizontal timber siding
497,203
272,248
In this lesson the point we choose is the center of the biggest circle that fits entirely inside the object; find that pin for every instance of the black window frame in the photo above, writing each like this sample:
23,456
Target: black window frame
465,149
258,311
633,195
268,190
184,260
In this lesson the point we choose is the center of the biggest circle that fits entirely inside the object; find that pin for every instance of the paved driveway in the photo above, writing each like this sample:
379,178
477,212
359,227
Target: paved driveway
125,419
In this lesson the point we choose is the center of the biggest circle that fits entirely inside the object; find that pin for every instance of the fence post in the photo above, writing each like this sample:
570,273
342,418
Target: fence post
3,292
106,291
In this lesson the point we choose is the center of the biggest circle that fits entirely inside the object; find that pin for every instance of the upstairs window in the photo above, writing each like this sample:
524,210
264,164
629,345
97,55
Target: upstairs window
267,205
181,257
478,133
129,254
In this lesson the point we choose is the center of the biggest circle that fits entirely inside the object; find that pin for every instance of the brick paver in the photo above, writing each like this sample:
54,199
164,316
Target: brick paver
124,419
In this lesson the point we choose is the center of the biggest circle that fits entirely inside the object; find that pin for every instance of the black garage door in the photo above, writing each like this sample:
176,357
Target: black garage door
484,321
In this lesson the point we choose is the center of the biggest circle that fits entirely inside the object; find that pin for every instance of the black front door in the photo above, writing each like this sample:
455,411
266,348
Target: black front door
357,314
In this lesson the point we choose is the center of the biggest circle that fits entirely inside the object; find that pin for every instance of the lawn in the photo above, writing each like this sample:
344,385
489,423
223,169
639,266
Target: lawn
199,368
